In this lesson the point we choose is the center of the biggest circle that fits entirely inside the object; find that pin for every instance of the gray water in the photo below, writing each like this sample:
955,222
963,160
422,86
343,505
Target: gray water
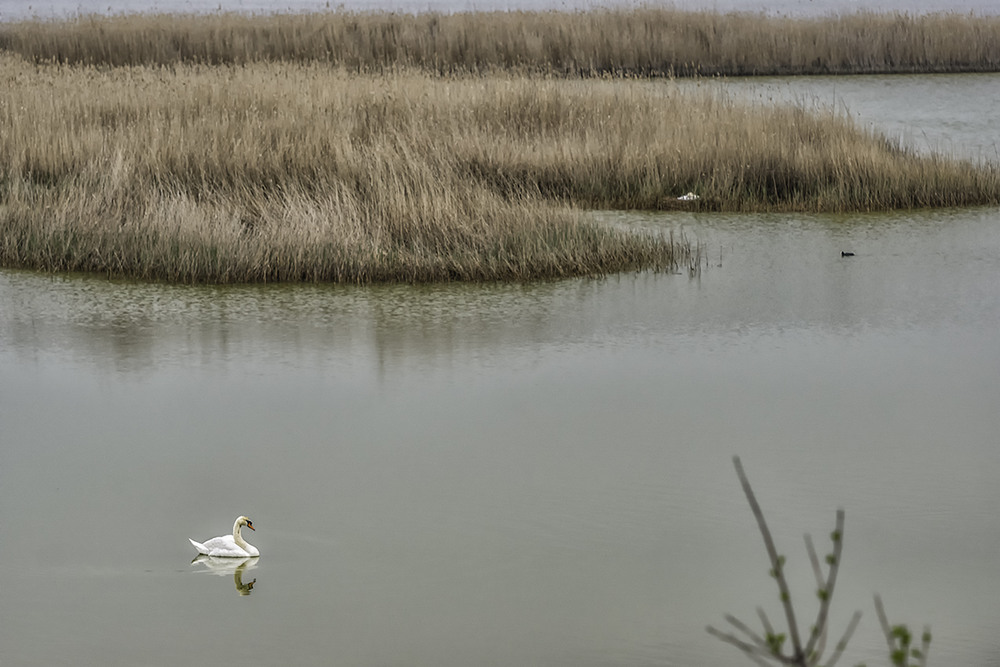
512,475
954,114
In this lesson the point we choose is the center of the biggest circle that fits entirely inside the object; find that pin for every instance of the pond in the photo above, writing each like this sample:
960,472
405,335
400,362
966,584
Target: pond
510,474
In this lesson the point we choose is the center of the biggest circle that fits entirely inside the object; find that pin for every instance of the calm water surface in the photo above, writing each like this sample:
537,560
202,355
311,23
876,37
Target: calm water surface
508,475
952,114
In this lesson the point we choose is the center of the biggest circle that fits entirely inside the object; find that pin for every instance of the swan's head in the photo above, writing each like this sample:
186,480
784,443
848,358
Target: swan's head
243,521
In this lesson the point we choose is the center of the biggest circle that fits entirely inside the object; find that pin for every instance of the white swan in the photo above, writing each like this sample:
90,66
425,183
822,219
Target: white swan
229,546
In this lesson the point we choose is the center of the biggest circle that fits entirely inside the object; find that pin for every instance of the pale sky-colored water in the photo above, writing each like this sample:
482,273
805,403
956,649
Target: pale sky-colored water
951,115
508,475
518,475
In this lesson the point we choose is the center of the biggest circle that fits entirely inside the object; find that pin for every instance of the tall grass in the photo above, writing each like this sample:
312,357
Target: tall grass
645,41
280,171
276,172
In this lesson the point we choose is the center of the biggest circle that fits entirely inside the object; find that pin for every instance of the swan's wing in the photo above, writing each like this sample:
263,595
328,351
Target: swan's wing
226,541
202,549
224,547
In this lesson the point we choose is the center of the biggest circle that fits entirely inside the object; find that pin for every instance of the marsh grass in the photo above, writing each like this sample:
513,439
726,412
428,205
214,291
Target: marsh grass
287,171
643,41
278,172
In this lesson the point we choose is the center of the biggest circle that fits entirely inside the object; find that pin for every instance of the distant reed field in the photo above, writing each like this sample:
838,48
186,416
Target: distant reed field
640,41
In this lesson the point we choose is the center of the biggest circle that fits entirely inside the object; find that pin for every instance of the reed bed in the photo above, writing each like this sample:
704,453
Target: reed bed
640,41
275,172
284,171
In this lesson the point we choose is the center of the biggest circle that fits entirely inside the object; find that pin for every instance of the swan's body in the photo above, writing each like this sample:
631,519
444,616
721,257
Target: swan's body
229,546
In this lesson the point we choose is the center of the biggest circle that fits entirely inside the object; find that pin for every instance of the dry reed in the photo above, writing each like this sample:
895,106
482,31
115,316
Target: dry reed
274,172
644,41
281,171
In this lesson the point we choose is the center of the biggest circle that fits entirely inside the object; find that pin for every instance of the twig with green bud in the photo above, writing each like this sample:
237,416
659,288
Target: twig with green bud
771,646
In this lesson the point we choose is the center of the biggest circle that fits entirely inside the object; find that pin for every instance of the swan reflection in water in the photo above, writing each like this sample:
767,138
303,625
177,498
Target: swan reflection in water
233,566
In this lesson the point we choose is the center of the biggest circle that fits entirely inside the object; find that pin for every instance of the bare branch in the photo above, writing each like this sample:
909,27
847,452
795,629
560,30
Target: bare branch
925,645
821,635
826,594
765,621
814,560
745,629
884,621
730,638
842,644
776,564
757,654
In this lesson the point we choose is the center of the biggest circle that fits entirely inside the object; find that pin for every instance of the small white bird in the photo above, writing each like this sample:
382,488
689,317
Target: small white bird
229,546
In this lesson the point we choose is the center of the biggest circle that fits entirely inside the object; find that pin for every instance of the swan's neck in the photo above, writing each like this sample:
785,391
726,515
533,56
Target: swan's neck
238,537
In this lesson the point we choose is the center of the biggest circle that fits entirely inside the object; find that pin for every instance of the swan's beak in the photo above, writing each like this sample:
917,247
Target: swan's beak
250,526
